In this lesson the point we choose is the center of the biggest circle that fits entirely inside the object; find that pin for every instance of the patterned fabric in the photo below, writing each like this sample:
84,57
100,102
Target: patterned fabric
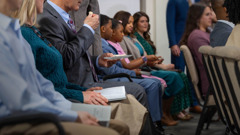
39,34
183,99
148,48
50,64
72,26
173,80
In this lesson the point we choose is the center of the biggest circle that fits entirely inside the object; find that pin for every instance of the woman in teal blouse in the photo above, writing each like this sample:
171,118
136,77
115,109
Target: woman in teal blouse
49,63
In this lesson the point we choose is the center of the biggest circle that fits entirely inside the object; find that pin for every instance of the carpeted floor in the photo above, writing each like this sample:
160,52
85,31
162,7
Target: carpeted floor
189,127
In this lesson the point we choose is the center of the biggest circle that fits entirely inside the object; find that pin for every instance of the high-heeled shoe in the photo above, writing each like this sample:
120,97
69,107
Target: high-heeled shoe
183,117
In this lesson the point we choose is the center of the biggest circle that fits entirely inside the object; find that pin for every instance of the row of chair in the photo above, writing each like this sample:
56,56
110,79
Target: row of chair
222,66
208,102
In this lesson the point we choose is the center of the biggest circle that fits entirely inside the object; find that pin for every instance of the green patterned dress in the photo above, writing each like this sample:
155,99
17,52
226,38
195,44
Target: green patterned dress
183,98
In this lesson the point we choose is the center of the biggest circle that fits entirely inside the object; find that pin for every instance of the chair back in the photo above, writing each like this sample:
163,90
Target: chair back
223,64
192,70
214,78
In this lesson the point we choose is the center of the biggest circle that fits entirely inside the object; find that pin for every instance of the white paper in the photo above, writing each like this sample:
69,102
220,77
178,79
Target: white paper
115,57
113,93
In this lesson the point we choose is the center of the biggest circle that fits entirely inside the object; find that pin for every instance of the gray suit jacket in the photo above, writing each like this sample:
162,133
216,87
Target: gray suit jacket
72,46
220,34
79,17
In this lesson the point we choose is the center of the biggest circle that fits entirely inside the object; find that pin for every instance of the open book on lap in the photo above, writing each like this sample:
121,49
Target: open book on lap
102,113
113,93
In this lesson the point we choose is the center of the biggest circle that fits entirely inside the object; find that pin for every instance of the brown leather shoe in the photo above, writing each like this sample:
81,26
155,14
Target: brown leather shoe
195,109
167,122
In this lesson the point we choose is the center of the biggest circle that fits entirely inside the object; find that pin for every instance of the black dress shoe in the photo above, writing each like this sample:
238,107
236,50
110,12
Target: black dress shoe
160,130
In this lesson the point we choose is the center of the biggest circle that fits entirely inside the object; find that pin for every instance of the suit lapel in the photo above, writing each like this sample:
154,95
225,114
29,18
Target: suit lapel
115,50
54,13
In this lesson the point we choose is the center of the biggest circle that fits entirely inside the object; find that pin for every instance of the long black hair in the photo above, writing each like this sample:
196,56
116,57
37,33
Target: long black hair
233,10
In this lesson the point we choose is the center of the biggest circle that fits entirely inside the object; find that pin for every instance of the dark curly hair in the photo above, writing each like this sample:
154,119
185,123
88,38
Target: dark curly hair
233,10
146,34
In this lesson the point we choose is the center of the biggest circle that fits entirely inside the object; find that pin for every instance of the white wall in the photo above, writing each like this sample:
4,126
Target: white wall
110,7
156,9
161,30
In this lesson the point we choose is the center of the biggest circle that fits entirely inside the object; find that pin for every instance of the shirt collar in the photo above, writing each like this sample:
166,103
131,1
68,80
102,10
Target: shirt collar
112,43
60,11
227,22
9,22
105,41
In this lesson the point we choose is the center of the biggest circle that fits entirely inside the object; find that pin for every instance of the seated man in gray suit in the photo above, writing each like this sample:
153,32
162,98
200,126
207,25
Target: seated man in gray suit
223,27
81,68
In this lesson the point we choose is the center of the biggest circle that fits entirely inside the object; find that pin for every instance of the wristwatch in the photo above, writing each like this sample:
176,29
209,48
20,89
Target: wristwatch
144,58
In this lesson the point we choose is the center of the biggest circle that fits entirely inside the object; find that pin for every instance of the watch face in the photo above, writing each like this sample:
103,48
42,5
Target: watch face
144,59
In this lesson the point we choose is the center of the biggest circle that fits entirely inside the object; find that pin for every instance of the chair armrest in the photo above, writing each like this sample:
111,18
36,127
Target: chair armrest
25,117
117,76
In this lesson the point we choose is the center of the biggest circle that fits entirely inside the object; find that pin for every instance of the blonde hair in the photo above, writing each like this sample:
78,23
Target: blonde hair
28,12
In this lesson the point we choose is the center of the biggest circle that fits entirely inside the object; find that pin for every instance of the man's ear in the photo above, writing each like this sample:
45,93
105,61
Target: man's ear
225,13
102,28
225,9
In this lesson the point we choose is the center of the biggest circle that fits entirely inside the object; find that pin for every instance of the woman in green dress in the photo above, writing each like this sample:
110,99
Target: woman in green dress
183,99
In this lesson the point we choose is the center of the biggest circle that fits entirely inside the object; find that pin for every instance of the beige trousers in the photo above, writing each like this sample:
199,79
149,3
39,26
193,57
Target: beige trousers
128,111
131,112
70,128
